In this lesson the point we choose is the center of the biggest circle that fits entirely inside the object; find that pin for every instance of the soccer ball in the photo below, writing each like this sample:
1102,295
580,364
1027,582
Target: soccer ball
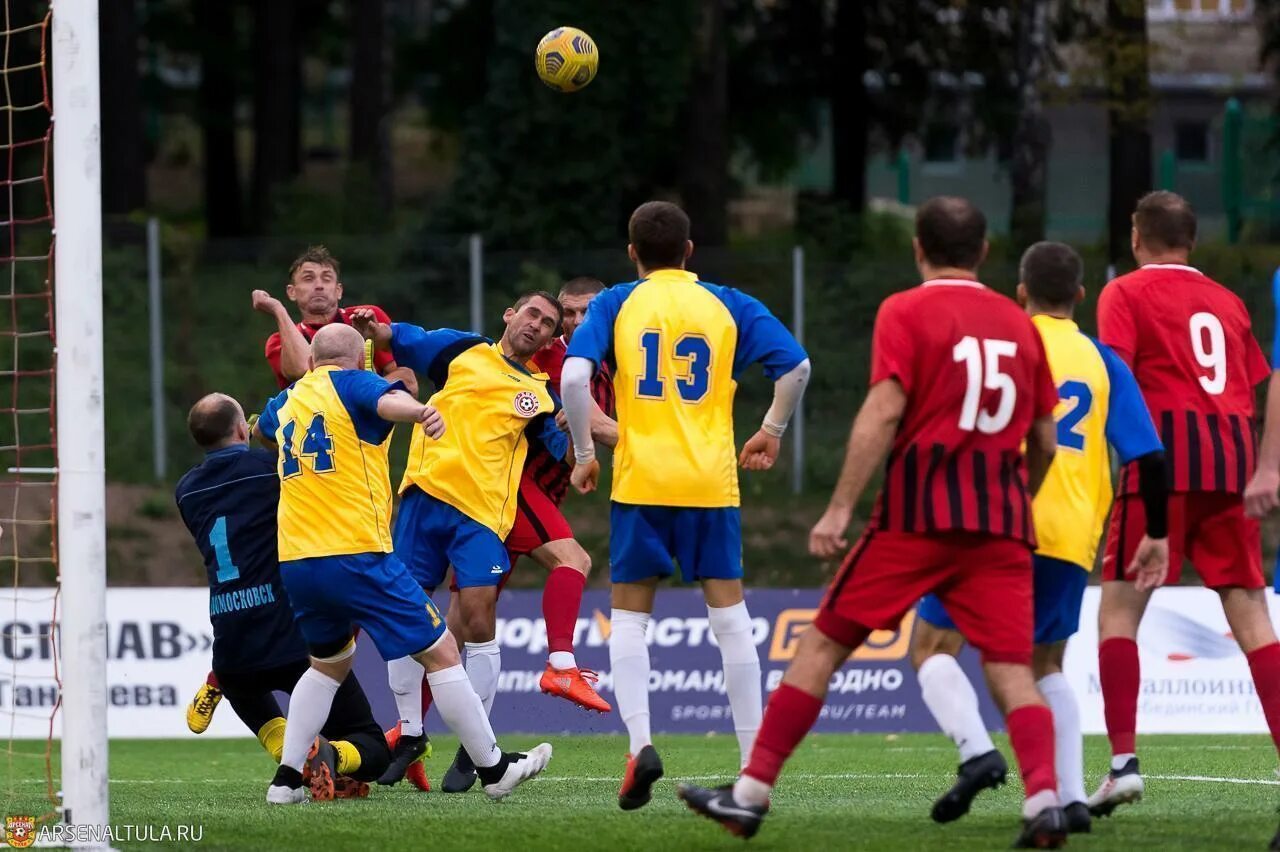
567,59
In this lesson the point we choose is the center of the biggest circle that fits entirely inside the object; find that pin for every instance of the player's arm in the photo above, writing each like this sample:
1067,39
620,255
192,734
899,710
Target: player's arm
374,404
761,449
870,441
591,344
395,373
266,424
1042,443
397,406
1263,492
295,351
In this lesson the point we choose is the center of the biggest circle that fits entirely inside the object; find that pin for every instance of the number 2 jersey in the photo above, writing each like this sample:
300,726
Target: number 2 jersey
678,344
975,375
335,483
1192,350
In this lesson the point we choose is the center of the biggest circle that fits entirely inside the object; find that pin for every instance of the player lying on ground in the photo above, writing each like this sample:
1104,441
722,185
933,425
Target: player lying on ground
951,402
1189,342
458,496
679,344
1100,405
332,428
228,503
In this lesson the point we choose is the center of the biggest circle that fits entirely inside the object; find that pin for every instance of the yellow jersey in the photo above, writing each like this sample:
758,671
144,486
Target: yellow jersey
1099,404
335,484
492,407
679,345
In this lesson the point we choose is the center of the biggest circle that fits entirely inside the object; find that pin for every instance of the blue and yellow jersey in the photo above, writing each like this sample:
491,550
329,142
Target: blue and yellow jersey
492,407
679,345
1099,403
335,484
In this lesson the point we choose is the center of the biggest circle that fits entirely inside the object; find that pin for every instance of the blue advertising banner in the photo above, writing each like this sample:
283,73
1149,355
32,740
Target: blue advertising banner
875,692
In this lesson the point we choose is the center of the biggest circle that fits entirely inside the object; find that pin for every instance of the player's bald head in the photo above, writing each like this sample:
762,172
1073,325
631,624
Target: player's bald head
337,344
1165,221
214,421
951,232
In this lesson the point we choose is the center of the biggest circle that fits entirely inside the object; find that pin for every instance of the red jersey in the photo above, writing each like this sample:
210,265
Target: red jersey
976,377
380,358
1192,350
549,474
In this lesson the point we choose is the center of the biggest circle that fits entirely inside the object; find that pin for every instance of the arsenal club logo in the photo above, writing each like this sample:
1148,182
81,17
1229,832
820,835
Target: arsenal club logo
19,831
526,403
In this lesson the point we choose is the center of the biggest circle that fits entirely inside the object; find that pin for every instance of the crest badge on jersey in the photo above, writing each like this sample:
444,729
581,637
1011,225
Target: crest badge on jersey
526,403
19,831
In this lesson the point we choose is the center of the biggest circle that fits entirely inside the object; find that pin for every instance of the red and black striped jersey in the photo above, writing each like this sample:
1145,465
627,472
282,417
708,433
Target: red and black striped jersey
549,474
976,377
1190,343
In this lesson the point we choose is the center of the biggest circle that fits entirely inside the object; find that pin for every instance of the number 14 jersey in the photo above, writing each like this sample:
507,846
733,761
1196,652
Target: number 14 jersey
1192,350
975,374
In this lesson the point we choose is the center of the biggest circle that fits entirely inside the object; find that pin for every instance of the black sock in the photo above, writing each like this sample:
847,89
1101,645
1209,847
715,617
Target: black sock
493,774
287,776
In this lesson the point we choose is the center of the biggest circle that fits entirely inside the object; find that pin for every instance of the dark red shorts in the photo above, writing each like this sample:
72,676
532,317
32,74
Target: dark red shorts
983,581
1207,528
538,521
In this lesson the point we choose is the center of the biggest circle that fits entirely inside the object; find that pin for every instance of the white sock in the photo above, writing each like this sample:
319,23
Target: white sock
309,706
484,664
954,705
732,628
463,712
749,791
1068,742
629,660
1033,805
1119,760
562,660
405,677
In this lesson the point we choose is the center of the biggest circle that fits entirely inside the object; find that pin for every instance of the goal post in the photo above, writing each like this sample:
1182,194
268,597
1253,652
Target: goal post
81,490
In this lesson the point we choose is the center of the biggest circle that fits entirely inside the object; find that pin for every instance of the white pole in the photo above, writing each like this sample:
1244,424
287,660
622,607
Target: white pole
158,437
477,283
77,201
797,328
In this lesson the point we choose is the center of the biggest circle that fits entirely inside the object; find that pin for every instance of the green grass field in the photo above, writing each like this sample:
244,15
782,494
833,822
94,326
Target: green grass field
840,792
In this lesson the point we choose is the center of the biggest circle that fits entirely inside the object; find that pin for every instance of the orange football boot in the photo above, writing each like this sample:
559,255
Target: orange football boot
576,685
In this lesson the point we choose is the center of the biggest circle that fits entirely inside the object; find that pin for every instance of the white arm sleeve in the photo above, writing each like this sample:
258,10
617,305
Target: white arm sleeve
575,392
787,391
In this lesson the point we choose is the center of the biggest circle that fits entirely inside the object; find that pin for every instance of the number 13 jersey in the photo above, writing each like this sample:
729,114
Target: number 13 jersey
679,345
1192,350
975,375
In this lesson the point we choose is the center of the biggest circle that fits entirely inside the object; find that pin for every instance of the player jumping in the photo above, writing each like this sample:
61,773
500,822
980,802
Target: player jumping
459,494
1191,347
1100,405
228,503
679,344
951,401
333,427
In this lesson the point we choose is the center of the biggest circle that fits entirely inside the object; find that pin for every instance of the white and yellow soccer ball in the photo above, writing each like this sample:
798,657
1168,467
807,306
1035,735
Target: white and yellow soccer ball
567,59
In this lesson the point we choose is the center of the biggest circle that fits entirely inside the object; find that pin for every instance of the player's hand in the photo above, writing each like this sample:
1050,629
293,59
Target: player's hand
1262,495
1150,564
826,539
267,303
562,421
432,422
364,321
760,451
585,477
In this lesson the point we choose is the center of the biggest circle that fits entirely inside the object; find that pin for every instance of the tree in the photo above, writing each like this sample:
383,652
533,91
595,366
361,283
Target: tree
124,185
370,103
223,199
704,178
850,106
1128,116
277,99
1032,135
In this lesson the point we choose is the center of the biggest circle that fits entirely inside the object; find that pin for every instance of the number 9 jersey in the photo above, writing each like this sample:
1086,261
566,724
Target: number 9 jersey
335,484
678,344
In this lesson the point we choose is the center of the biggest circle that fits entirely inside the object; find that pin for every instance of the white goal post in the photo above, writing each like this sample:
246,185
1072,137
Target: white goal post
81,512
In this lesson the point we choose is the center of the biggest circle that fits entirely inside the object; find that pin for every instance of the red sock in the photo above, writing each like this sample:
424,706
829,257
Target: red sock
426,697
212,680
1031,734
561,600
790,714
1264,663
1120,675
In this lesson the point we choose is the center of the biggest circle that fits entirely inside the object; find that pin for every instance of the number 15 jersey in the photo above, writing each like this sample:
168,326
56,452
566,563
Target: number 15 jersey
975,375
679,345
1189,342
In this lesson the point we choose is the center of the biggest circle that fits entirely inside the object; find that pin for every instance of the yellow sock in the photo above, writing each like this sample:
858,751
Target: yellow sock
348,756
271,735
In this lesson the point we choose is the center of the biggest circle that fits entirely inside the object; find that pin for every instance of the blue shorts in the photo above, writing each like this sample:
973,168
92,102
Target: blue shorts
330,594
648,541
1059,591
430,535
